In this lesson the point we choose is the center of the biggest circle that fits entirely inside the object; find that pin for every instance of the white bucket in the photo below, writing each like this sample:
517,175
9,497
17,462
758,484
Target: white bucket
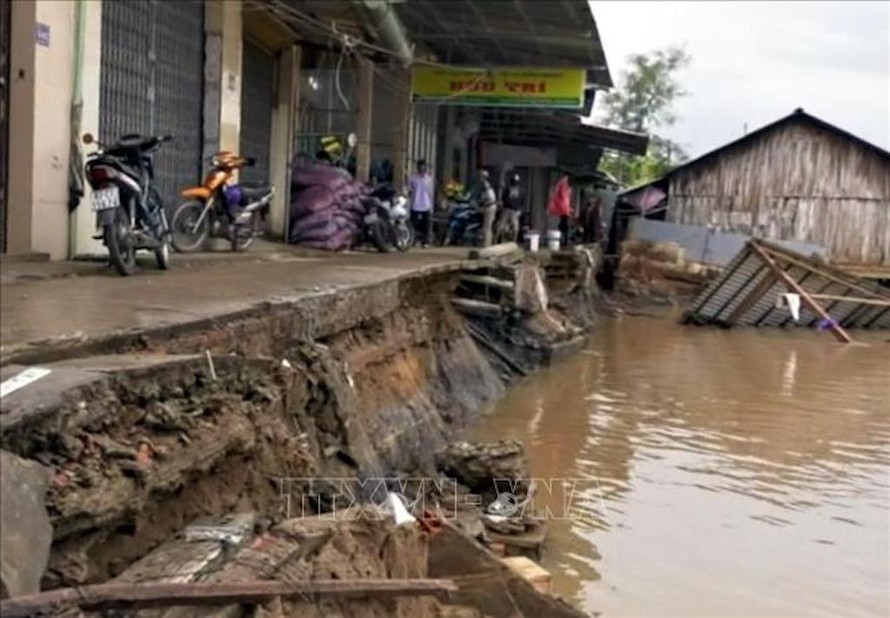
553,238
534,241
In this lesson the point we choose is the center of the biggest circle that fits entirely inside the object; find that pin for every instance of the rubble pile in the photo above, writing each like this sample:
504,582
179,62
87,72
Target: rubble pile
512,316
660,270
486,467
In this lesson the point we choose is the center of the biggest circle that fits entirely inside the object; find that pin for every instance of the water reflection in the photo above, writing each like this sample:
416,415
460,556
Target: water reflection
723,473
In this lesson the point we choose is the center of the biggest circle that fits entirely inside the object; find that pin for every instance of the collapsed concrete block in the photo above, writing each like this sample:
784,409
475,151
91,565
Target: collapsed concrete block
25,530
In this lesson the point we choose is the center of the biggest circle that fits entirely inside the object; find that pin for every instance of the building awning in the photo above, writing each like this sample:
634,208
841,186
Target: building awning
539,128
509,33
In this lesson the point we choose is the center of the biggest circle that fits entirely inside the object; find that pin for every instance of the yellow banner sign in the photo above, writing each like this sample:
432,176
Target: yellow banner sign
502,87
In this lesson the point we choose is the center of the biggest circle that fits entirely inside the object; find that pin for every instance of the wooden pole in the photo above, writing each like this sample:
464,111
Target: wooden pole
836,329
853,299
826,274
494,251
148,595
477,308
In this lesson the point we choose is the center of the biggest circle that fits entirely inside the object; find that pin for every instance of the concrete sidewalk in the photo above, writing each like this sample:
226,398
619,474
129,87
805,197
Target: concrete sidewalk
72,302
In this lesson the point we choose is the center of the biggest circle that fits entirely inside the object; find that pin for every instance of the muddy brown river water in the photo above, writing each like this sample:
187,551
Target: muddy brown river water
716,473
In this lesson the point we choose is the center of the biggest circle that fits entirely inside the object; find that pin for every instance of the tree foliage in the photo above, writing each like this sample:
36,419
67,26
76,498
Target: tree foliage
643,102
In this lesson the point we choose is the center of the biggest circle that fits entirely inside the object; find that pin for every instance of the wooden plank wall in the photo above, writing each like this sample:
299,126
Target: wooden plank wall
797,181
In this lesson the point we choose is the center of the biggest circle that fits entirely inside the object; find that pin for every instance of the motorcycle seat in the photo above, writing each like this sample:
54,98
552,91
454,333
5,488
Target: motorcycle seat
255,191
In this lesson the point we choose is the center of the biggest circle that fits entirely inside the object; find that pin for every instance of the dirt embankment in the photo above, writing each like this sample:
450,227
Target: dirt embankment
139,446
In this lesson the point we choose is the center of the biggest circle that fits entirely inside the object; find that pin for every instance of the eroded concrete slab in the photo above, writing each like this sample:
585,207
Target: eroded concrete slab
48,319
25,530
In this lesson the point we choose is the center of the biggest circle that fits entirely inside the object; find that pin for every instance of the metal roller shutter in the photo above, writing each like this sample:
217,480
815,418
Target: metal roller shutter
258,69
152,82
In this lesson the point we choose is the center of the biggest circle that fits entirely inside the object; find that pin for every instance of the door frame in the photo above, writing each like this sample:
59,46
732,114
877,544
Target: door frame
5,50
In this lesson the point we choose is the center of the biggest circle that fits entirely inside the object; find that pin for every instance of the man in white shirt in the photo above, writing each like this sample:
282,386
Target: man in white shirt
421,192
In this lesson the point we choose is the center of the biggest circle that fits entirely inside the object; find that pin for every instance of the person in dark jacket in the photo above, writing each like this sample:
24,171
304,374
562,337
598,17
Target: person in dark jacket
512,202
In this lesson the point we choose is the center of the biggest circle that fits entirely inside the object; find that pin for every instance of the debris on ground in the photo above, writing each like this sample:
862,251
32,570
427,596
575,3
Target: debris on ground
25,530
660,271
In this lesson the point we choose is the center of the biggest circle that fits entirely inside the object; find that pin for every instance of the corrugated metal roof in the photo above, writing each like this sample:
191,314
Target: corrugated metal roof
509,33
540,128
747,291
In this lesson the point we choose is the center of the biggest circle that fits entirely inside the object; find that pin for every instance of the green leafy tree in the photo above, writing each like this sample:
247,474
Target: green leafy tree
643,102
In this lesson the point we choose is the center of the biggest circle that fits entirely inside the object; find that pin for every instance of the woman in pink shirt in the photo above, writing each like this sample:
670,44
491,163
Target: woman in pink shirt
561,206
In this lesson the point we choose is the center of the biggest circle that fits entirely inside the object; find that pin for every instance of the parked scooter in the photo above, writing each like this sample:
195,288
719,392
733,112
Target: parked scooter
397,206
464,223
129,210
221,208
378,227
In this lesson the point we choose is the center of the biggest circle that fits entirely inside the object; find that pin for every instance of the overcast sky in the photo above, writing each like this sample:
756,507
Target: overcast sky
753,62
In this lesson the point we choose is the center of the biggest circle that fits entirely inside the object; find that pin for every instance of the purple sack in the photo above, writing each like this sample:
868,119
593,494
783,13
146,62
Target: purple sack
336,242
319,233
314,199
314,174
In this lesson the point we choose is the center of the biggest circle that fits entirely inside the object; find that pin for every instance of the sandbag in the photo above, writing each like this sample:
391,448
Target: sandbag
316,218
316,198
314,174
319,233
336,242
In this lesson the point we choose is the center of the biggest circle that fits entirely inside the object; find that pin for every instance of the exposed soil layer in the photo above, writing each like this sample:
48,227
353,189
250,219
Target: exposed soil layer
141,445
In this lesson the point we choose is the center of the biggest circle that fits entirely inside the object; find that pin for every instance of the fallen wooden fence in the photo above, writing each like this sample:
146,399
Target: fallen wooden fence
154,595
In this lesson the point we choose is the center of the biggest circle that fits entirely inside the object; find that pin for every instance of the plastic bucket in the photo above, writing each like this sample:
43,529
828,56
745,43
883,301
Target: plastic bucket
534,241
553,239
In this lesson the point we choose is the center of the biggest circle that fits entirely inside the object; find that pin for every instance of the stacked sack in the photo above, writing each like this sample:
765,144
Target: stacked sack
328,207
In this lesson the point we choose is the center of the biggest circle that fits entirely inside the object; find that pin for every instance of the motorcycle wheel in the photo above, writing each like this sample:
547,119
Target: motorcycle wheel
121,250
162,253
404,236
378,237
187,239
241,236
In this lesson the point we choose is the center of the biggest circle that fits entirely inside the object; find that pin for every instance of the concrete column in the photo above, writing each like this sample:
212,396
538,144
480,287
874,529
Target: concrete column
284,117
39,127
363,122
83,220
22,90
402,137
223,26
448,145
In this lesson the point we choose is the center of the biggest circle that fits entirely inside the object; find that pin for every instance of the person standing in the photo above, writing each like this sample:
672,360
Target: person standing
486,201
421,195
592,219
561,206
512,202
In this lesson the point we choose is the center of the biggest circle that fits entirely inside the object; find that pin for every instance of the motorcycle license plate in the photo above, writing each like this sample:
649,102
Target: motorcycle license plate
371,218
103,199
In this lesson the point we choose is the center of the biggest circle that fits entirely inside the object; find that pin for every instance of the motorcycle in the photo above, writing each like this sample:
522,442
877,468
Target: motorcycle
402,233
220,208
401,223
464,223
129,210
378,227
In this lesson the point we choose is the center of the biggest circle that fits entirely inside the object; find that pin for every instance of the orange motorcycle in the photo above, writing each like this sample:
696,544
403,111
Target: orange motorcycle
221,207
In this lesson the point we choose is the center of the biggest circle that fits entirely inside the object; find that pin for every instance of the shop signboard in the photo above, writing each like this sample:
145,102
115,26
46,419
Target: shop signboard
550,88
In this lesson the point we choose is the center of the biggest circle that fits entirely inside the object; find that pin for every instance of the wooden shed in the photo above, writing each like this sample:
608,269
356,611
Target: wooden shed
798,178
